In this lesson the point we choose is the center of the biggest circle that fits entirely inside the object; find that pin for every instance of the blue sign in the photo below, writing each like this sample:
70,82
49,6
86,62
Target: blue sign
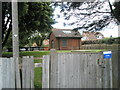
107,54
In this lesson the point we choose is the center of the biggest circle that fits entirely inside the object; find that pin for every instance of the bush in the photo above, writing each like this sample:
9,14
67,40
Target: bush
103,41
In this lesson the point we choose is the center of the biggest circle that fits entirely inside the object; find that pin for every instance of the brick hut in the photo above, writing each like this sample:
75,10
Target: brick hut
65,39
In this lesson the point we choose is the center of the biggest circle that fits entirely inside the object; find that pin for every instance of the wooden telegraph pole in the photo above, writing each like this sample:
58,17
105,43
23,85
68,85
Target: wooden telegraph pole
0,29
15,29
15,41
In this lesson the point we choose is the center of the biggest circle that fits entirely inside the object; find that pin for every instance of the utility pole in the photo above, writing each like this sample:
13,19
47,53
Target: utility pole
15,29
0,29
15,38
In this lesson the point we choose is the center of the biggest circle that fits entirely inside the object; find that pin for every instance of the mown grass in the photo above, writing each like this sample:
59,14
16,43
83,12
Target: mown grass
94,50
37,60
38,77
27,53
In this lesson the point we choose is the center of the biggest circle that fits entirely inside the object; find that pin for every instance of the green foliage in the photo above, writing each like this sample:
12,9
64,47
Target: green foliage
37,19
37,60
28,53
116,11
103,41
33,16
38,77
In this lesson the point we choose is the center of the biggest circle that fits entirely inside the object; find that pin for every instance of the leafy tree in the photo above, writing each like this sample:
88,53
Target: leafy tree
91,16
33,16
38,38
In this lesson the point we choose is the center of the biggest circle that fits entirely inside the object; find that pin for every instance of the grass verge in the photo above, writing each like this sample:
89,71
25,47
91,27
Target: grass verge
37,60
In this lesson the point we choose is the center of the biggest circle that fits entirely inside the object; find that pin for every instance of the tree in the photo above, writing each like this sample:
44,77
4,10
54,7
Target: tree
38,38
91,16
33,16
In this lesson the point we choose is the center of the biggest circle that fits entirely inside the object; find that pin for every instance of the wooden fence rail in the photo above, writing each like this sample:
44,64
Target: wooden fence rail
16,75
80,70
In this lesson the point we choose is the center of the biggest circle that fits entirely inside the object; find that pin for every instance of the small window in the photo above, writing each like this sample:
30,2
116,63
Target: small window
64,42
52,44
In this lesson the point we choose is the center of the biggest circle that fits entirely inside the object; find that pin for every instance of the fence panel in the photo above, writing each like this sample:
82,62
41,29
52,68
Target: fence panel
79,70
10,73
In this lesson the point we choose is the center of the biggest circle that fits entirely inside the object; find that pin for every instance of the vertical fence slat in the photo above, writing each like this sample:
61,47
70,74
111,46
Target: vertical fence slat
28,73
4,72
17,73
8,70
63,70
24,72
1,73
71,71
32,72
66,71
45,71
53,68
12,82
115,62
59,72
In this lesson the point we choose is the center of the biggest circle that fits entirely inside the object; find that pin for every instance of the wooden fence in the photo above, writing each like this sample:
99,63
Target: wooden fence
101,46
80,70
14,74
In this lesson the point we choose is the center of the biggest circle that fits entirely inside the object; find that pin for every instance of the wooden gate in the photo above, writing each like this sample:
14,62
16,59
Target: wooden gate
77,70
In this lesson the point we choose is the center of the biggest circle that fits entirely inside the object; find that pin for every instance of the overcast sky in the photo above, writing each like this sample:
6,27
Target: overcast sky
112,29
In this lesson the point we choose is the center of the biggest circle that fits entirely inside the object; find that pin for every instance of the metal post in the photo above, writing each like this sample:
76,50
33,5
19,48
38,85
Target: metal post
15,29
0,29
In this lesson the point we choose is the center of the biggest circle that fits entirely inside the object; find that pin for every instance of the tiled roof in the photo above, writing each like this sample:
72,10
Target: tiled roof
91,35
66,33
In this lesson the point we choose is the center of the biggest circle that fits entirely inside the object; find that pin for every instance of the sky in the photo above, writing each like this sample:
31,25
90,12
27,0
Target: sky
111,30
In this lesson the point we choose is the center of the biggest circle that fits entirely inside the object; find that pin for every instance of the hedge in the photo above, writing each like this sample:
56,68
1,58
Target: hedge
103,41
